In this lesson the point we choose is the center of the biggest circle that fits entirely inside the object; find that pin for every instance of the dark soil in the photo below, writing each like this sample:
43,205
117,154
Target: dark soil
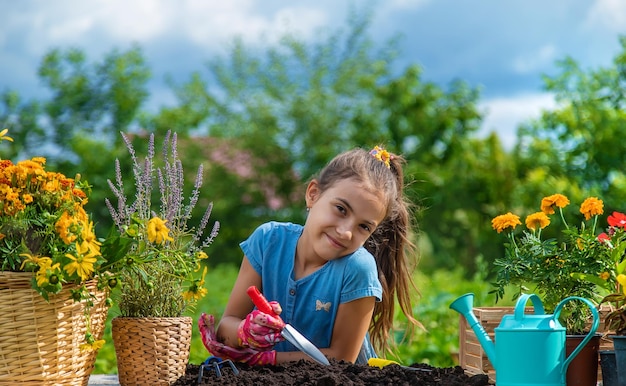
303,373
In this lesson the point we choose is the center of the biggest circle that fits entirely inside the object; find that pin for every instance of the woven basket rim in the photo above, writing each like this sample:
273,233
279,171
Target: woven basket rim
151,317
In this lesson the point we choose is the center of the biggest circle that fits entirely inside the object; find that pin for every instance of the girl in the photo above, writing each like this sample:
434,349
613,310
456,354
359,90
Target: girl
336,278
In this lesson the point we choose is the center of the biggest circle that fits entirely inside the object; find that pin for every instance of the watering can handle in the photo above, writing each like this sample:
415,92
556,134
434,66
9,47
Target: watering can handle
520,306
592,331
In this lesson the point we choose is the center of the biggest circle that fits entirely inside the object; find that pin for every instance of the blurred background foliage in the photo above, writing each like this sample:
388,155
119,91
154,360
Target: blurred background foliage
262,122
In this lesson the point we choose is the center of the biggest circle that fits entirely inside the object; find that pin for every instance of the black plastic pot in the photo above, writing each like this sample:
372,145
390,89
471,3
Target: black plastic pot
609,368
619,344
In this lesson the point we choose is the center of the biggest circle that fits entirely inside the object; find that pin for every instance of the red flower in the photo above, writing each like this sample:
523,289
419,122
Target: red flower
617,219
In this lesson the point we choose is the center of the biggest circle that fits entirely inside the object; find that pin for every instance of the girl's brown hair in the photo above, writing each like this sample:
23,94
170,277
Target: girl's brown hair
395,253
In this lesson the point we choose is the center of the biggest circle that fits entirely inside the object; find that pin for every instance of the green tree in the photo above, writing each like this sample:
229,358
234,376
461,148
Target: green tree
310,101
580,140
77,127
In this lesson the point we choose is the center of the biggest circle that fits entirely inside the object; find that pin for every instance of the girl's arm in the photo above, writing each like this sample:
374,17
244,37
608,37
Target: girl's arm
239,304
351,324
353,320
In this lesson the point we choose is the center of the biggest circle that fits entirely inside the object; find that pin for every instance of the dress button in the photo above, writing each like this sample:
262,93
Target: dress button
292,292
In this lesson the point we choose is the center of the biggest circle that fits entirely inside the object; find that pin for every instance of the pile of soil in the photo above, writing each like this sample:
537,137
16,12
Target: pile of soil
307,373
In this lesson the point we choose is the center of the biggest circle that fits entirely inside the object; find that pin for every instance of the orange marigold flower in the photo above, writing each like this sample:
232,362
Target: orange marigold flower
548,203
66,183
605,275
538,220
79,193
66,228
27,198
504,221
39,160
592,206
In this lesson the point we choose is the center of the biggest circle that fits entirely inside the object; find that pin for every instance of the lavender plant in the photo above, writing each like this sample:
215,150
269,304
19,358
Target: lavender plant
159,256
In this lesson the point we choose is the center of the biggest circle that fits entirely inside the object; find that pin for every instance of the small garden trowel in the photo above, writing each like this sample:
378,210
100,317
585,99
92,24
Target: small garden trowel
288,332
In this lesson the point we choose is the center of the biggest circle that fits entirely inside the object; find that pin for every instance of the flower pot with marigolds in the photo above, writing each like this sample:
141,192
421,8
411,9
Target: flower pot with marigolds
53,276
552,267
555,268
161,265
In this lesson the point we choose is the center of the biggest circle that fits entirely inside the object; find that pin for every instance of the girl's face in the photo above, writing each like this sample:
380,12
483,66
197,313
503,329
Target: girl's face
341,218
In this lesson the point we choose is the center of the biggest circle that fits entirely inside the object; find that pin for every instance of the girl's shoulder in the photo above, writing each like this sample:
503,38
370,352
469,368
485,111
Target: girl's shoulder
279,227
276,232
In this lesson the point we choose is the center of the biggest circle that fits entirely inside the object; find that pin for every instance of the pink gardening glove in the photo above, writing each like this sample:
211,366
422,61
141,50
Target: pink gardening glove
206,325
260,330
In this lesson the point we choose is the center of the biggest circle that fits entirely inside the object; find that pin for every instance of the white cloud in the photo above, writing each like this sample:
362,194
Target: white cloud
115,22
504,115
93,23
534,61
610,14
207,24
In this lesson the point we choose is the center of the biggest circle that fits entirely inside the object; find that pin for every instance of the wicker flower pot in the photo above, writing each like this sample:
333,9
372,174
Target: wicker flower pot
39,340
151,351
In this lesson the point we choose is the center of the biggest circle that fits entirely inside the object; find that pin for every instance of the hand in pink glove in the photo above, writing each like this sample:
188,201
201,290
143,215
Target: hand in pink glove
206,325
260,330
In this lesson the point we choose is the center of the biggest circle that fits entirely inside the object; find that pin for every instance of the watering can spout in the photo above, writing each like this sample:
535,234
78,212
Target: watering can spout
463,305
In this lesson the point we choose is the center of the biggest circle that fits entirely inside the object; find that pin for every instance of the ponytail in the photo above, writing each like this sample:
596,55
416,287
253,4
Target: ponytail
396,258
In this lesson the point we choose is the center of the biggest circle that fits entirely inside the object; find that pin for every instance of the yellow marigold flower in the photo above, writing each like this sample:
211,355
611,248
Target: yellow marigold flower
538,220
89,237
46,269
82,263
548,203
592,206
605,276
158,232
29,259
195,292
92,346
504,221
42,278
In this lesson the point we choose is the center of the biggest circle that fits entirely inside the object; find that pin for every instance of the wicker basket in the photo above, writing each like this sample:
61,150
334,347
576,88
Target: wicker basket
39,340
151,351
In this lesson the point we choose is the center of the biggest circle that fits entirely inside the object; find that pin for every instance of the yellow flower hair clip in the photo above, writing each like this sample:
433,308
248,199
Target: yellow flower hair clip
382,155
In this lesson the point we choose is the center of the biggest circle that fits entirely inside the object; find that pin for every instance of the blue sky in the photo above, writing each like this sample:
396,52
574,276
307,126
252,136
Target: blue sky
501,47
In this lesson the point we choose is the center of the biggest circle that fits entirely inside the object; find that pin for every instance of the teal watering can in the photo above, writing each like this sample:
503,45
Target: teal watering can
529,348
